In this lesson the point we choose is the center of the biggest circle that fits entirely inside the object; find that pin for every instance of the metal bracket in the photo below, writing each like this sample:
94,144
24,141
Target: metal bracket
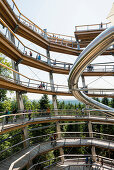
15,29
19,61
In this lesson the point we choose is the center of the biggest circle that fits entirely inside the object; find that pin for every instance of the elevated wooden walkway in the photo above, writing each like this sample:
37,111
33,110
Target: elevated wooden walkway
23,122
27,29
19,160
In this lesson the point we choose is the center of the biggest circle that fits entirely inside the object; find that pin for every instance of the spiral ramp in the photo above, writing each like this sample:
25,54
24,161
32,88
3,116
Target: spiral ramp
95,48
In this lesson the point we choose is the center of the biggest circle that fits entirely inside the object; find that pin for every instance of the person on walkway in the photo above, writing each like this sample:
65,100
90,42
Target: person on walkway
69,67
51,138
48,111
86,92
102,162
39,57
90,68
91,161
43,85
7,117
30,53
14,112
101,25
40,86
54,63
29,115
55,137
64,66
77,111
83,111
86,161
25,52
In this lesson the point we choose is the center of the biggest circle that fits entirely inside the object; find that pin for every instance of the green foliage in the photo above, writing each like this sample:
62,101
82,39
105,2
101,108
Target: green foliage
6,72
34,131
44,102
7,104
112,103
9,139
105,101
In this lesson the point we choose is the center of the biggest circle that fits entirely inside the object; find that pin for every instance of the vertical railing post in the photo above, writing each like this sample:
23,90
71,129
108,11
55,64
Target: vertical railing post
72,44
19,16
24,50
28,82
3,122
6,32
13,6
33,27
18,44
105,68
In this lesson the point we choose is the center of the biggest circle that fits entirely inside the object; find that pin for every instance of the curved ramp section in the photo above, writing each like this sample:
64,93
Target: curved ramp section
19,160
95,48
43,117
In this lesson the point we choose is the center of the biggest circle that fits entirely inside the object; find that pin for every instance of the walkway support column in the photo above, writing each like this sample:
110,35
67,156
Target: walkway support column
93,152
89,126
77,41
19,98
54,100
16,76
83,81
25,136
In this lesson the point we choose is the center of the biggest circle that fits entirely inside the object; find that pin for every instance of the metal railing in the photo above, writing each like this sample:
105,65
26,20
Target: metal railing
99,68
77,160
59,39
100,26
32,83
63,40
63,136
34,54
43,147
22,118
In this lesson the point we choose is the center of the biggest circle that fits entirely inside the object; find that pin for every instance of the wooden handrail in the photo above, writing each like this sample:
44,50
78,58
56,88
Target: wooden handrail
16,6
33,23
10,31
60,34
28,77
28,47
92,25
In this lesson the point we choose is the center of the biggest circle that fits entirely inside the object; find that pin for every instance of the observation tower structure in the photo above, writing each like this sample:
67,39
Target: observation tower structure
89,42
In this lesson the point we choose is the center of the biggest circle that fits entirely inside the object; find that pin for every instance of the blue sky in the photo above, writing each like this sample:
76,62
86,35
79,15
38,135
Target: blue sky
61,16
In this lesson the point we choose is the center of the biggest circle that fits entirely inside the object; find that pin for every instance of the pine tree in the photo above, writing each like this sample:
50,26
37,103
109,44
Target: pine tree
105,101
112,103
44,102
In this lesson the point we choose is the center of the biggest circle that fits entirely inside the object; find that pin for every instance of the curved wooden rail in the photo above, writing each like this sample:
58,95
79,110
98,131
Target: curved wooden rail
43,62
19,120
29,30
27,154
26,84
72,160
18,52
